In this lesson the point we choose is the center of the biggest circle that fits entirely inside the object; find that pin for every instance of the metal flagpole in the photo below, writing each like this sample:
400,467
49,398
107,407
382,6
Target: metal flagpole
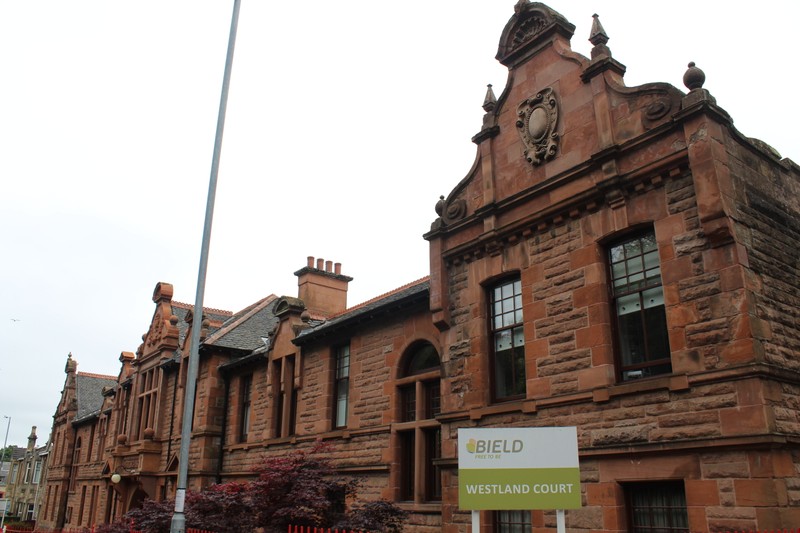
178,524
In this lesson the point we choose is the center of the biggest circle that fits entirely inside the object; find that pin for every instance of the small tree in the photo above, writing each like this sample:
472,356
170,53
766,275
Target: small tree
377,516
151,517
7,453
299,488
118,526
222,508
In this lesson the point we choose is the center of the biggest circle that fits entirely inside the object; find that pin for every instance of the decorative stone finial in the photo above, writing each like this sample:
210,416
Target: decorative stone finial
520,6
598,37
598,34
451,210
440,206
489,101
694,78
71,365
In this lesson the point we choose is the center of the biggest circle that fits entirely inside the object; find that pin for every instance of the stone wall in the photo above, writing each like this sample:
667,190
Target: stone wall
701,405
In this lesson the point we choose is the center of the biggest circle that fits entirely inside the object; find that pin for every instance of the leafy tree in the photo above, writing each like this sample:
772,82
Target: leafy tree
7,453
378,516
299,488
152,517
221,508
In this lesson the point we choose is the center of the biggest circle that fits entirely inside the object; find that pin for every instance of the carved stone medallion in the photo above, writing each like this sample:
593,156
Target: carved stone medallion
537,118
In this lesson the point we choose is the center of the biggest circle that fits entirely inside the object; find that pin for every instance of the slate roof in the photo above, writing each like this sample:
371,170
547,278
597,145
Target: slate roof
182,310
16,453
183,328
414,293
244,330
89,393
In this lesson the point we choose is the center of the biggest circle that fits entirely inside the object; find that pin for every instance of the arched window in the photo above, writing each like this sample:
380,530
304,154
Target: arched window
419,433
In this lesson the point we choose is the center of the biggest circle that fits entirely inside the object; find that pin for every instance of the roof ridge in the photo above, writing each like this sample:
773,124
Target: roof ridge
381,296
247,309
100,376
252,310
190,307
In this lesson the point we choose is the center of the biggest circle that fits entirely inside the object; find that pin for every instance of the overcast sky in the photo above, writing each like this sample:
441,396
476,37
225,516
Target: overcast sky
346,121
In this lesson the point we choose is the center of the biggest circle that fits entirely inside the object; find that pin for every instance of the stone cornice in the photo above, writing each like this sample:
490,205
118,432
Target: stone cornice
748,442
606,193
443,228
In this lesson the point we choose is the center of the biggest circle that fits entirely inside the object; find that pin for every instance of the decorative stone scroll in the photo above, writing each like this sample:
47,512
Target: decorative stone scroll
537,118
451,211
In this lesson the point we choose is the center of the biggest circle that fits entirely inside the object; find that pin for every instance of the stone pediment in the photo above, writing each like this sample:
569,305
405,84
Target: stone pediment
564,122
163,333
532,24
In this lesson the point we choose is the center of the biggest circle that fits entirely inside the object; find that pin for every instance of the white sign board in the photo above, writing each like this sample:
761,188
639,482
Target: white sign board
518,468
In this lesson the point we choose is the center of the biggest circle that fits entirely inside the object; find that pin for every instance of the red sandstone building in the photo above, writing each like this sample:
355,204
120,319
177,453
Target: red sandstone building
619,259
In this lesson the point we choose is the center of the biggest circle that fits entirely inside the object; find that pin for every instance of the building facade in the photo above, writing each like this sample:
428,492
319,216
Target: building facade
622,260
74,488
25,492
618,259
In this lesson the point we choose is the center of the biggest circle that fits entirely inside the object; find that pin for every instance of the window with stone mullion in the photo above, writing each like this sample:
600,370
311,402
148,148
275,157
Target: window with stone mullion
147,401
284,397
246,383
643,346
508,340
341,386
419,443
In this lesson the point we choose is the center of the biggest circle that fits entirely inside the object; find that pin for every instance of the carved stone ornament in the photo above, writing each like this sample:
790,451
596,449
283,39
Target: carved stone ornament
156,332
658,109
537,118
529,28
451,211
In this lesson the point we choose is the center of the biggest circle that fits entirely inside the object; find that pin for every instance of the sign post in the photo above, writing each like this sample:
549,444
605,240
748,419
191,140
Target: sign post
518,469
4,503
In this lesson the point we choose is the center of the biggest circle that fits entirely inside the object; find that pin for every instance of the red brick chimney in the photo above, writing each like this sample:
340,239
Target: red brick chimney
323,288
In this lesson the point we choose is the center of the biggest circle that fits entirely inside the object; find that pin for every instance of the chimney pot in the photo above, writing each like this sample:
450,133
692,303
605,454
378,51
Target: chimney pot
310,263
323,289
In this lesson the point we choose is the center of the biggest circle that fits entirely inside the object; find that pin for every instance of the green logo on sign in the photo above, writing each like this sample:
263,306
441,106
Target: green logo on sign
494,446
